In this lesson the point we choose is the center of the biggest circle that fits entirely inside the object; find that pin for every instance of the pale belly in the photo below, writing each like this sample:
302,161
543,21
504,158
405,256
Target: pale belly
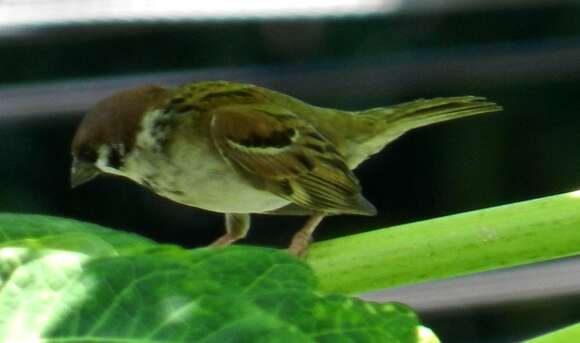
206,182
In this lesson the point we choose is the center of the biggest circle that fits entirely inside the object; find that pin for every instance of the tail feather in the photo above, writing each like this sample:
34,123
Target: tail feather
424,112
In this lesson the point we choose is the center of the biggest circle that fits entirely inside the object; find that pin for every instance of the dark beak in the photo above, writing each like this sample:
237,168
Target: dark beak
82,172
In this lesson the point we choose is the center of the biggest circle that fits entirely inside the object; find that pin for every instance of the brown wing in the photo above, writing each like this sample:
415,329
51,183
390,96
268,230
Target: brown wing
285,155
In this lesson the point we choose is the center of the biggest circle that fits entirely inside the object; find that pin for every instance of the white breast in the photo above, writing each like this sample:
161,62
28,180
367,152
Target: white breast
196,176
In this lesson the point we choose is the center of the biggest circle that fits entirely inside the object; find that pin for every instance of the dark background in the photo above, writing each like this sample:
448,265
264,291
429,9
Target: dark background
526,58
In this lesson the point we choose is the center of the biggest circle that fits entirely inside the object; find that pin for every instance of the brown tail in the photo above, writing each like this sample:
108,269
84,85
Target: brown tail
413,114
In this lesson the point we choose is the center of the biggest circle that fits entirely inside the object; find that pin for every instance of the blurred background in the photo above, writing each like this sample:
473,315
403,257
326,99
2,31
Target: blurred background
57,58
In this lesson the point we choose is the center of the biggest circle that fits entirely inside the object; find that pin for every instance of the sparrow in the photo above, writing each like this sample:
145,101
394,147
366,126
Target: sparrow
239,149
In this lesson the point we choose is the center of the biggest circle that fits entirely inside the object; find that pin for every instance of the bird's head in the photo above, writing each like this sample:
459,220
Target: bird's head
108,132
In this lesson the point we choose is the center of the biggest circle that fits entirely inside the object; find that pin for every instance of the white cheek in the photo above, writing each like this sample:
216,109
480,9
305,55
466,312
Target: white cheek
149,136
103,154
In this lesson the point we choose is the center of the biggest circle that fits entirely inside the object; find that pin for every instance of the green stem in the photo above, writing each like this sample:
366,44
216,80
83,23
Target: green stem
565,335
466,243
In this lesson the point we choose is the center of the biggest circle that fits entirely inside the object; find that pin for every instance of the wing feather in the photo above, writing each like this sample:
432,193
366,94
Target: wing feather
286,155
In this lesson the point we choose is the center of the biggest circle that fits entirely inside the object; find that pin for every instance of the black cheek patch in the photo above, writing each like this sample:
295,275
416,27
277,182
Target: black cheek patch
87,155
115,159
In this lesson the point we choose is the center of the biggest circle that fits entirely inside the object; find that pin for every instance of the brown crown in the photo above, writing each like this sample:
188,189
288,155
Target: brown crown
115,120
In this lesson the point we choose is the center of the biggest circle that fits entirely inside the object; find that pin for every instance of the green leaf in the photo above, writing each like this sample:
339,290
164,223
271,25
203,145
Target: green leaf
45,232
127,289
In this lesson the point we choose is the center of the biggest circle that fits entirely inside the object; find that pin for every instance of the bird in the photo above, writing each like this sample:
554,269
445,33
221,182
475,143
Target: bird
241,149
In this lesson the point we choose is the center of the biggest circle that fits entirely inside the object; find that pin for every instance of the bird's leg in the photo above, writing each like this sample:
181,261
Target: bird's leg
301,239
237,226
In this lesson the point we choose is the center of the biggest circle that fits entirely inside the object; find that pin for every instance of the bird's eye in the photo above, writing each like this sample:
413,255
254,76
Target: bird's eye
87,154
